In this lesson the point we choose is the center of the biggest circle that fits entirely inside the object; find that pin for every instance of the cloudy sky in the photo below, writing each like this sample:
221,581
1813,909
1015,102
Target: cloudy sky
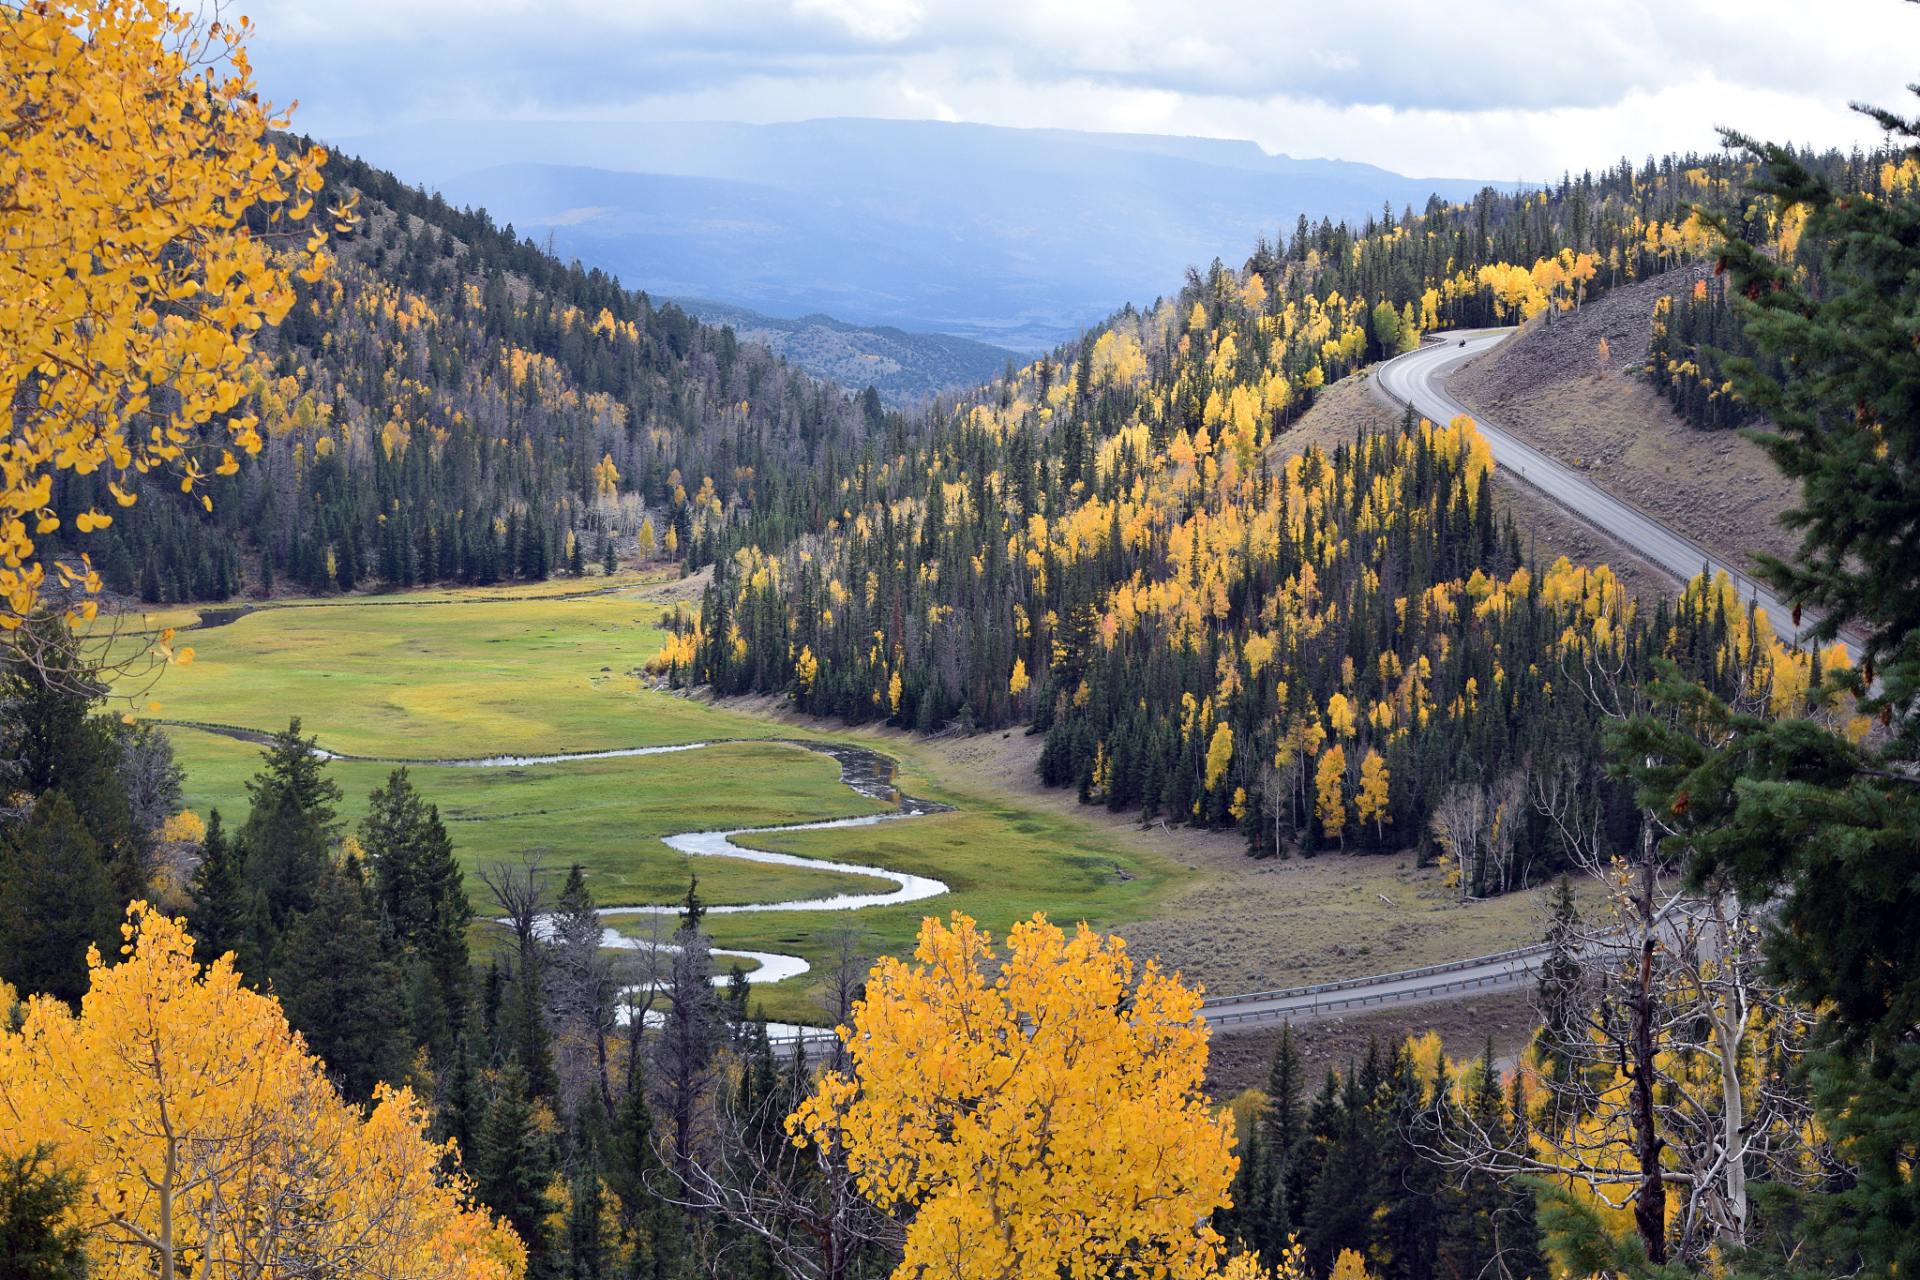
1494,89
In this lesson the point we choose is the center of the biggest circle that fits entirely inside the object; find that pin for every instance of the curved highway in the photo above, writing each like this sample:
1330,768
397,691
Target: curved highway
1419,378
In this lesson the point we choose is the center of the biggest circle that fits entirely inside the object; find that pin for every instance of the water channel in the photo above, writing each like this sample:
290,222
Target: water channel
865,772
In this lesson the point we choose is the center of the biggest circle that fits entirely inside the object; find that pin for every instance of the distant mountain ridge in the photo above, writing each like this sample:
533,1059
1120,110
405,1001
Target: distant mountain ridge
905,368
1014,237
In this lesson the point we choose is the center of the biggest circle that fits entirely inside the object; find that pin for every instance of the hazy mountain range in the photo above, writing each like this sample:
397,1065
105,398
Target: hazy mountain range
903,367
1014,237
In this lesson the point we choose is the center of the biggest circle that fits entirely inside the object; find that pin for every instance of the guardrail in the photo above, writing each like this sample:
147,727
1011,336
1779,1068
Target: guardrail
1349,984
783,1046
1504,977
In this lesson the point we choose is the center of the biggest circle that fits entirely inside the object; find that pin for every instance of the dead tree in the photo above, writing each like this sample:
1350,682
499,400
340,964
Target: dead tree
583,993
849,959
685,1047
799,1198
1666,1057
1669,1055
520,892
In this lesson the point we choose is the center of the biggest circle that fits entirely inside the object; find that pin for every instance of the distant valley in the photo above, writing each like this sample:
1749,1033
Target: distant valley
1019,238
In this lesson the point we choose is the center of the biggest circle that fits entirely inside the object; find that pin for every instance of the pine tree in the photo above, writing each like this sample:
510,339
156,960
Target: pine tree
40,1208
1287,1137
290,825
649,1229
59,743
589,1238
222,913
1285,1084
56,900
462,1112
421,888
341,991
513,1173
1340,1210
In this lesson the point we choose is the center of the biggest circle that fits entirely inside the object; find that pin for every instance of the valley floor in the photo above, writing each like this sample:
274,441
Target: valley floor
435,676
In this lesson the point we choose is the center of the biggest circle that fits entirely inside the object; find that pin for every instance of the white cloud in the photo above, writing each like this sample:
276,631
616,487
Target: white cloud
879,21
1488,88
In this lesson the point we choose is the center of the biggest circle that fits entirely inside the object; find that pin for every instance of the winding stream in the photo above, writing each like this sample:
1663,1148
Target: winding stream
867,773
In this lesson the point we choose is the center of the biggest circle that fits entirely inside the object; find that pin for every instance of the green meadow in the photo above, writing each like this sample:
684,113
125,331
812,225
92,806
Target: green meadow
449,675
442,680
606,815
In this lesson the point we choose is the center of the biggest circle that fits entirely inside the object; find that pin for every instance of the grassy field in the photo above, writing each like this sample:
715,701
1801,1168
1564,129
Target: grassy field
438,676
443,678
607,815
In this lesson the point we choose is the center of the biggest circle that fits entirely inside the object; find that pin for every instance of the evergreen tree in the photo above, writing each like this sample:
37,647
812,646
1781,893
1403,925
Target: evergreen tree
1406,1224
1285,1083
513,1174
341,991
462,1112
40,1204
421,890
50,694
590,1238
1345,1193
290,825
56,900
649,1229
222,913
1788,811
1285,1125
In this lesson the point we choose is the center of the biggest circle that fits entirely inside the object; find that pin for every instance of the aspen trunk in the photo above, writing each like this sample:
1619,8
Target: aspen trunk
1650,1204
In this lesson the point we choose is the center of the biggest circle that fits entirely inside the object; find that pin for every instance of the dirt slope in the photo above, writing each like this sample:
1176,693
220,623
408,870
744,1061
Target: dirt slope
1548,386
1546,530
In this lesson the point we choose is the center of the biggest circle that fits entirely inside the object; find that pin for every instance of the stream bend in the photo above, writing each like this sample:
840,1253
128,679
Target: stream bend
865,772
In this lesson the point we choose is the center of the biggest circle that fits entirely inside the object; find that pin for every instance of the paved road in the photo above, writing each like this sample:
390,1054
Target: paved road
1305,1004
1420,377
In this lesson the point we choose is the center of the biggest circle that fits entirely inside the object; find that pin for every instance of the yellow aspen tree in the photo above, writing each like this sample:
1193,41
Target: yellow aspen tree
1340,715
647,540
1219,754
1329,784
1018,682
137,148
1039,1123
893,693
606,478
212,1143
1370,804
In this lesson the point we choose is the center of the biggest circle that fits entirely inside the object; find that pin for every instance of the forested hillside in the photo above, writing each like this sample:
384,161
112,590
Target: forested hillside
1330,651
453,404
1339,649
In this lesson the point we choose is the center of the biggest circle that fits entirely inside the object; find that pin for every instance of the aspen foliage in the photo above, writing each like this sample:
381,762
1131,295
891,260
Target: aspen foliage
210,1139
1047,1121
138,147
